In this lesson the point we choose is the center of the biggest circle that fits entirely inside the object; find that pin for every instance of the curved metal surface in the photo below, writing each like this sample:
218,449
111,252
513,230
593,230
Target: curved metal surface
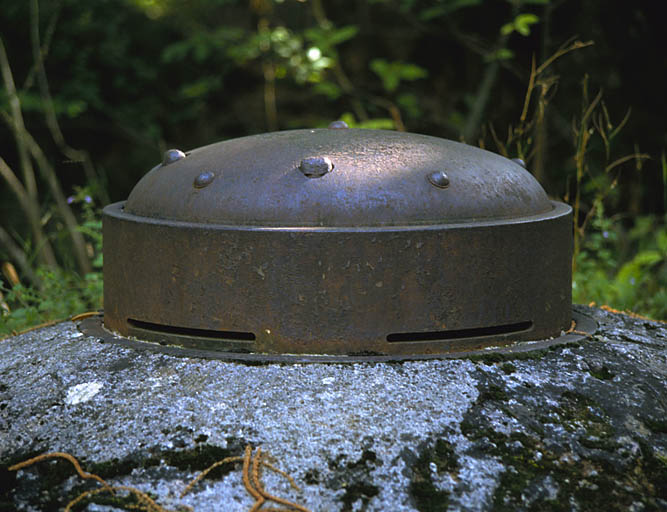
337,241
390,290
583,328
336,178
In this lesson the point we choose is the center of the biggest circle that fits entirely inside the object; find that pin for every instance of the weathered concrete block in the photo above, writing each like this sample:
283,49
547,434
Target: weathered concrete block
579,427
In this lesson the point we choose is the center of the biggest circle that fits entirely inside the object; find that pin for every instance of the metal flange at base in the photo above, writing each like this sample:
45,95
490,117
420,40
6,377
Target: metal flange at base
584,326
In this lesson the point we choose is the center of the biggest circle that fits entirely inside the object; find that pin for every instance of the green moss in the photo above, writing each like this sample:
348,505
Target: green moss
658,426
358,491
488,358
312,476
500,357
44,491
571,344
469,427
508,368
129,502
530,355
492,392
353,476
444,457
201,457
577,411
427,497
195,459
50,474
593,477
514,482
595,443
655,467
368,457
595,486
601,373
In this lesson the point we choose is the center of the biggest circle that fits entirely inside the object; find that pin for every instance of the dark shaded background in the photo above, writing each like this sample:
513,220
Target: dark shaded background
131,78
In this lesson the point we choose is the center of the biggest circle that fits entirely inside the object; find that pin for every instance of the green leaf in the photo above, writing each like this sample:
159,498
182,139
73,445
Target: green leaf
507,29
410,104
662,241
377,124
75,108
501,54
343,34
412,72
200,87
382,68
328,89
327,38
523,22
391,73
446,8
374,124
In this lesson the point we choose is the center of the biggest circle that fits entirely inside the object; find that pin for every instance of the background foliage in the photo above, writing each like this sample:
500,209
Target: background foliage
127,79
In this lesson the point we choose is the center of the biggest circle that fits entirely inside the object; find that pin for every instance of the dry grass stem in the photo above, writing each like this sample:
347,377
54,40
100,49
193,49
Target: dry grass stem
255,471
282,473
59,455
10,273
35,327
146,503
83,496
246,476
629,313
258,486
566,48
203,474
251,476
572,330
637,157
74,318
531,86
251,480
83,316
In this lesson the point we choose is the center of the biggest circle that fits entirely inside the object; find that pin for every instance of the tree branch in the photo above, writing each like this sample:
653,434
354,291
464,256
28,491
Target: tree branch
46,45
474,118
31,210
17,254
75,155
341,77
49,175
18,124
25,193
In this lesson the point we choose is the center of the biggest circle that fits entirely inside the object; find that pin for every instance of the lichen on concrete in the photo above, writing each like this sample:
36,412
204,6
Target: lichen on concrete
572,428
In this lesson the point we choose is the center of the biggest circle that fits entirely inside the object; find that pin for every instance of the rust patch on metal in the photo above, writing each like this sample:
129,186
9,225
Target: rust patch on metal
585,327
402,245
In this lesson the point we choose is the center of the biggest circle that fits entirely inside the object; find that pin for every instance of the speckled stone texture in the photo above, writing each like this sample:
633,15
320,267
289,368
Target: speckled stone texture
581,427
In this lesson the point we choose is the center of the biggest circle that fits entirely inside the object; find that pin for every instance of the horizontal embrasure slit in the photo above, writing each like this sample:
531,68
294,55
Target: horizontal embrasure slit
190,331
474,332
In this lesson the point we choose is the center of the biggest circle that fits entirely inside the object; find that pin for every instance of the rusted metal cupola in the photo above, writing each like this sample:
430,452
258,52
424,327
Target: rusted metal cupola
337,241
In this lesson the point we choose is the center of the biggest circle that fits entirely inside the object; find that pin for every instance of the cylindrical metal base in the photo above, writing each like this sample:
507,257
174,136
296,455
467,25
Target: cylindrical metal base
421,289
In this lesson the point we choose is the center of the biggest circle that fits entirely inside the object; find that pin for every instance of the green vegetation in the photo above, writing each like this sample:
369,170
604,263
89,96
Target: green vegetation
59,293
624,267
91,94
582,468
427,497
50,475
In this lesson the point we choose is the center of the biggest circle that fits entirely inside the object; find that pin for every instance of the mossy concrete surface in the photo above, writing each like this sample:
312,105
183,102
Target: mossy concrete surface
580,427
